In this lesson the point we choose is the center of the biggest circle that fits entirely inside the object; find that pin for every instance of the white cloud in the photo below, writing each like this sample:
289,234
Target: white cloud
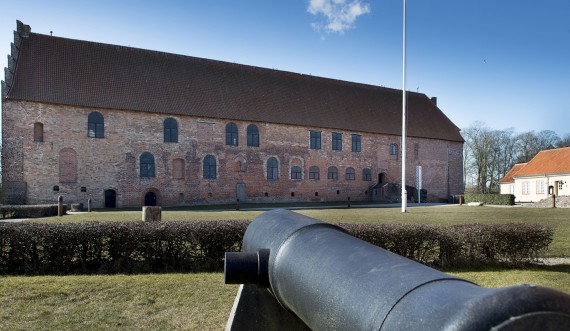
338,15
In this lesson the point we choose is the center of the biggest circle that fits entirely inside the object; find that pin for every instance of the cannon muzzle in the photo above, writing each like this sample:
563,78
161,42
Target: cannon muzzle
305,273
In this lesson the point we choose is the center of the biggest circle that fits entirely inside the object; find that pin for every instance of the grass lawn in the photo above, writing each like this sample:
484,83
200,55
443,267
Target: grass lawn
163,302
203,302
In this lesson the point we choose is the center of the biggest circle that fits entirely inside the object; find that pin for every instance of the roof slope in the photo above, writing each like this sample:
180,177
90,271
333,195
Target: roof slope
513,172
552,161
81,73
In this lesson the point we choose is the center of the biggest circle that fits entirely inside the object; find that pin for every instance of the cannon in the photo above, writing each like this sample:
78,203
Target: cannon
301,273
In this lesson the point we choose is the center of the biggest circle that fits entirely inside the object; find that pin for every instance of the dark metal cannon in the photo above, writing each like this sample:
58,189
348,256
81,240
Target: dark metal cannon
303,273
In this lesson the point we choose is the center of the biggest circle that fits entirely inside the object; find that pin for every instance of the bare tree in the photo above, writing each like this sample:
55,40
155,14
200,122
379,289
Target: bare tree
530,143
477,151
565,141
490,154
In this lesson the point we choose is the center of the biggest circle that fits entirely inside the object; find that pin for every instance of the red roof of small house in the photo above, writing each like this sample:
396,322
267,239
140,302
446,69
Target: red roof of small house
552,161
82,73
509,176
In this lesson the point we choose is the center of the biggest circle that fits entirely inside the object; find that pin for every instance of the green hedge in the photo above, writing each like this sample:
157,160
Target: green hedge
29,211
139,247
491,199
459,245
113,247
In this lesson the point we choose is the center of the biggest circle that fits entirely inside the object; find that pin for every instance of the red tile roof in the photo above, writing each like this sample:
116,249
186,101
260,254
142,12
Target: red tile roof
81,73
552,161
509,176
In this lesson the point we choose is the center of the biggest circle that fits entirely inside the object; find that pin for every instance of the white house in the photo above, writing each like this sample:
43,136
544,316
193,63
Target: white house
547,173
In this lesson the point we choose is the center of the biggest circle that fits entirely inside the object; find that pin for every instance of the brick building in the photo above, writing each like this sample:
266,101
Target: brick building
127,127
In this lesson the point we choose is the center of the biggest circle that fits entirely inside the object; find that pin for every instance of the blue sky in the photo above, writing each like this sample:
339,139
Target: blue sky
505,63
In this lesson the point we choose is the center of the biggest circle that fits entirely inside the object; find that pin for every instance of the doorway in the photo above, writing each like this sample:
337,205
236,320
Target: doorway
240,191
150,199
110,199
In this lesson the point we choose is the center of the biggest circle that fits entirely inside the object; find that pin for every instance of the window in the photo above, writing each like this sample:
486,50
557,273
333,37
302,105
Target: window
178,166
209,167
350,174
540,185
560,185
336,141
366,174
95,125
231,134
315,139
296,172
272,169
416,151
38,132
356,143
393,149
332,173
314,173
526,187
147,165
67,166
170,130
252,135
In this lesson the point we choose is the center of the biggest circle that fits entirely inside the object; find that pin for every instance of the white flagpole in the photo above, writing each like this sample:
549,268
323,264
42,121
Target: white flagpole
404,192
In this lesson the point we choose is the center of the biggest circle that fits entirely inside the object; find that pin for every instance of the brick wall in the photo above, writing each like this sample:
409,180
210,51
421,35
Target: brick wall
113,162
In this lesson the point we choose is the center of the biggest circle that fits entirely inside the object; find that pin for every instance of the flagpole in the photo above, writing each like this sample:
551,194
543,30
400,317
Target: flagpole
404,192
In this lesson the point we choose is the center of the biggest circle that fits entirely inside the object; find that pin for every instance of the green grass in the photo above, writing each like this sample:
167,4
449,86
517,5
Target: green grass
139,302
164,302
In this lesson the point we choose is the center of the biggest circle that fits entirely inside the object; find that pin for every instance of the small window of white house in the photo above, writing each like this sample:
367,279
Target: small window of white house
526,187
540,187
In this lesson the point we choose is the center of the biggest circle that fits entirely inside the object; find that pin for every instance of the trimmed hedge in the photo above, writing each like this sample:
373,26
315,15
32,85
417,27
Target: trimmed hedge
113,247
140,247
29,211
491,199
458,245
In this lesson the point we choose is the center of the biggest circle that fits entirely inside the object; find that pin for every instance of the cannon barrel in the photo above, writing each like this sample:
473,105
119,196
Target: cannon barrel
333,281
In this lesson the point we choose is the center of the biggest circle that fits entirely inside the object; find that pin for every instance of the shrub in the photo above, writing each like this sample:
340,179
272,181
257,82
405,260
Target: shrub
468,244
29,211
112,247
491,199
136,247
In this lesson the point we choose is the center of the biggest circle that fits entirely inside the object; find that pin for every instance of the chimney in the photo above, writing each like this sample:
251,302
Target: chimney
434,100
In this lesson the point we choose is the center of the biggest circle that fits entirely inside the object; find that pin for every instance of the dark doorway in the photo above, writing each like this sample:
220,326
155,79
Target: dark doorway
110,199
150,199
382,178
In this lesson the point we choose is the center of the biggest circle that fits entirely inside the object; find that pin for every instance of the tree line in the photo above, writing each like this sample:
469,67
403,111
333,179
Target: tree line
488,154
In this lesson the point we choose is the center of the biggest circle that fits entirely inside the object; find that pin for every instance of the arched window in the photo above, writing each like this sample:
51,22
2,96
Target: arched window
147,165
349,174
231,134
366,174
296,172
209,167
332,173
393,149
38,132
314,173
170,130
67,166
252,135
178,166
95,125
272,169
